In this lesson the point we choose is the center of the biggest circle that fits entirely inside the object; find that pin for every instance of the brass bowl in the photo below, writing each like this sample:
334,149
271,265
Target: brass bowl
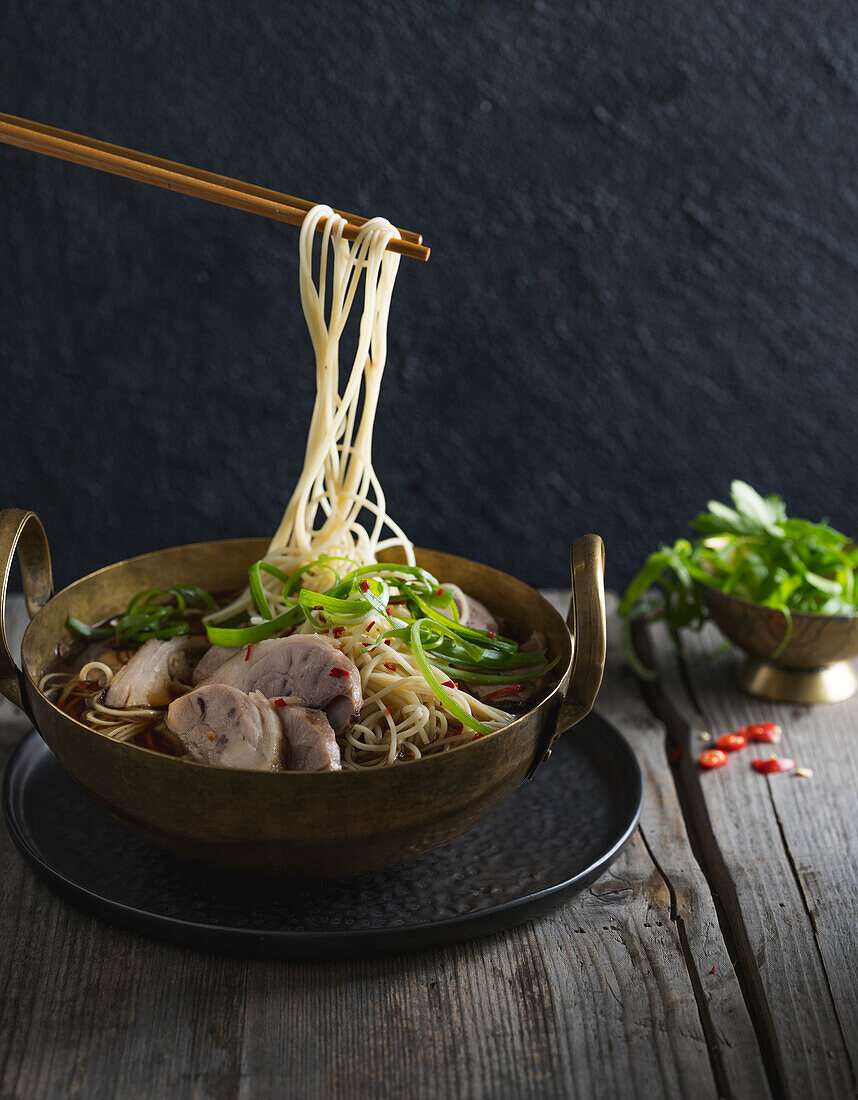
814,665
295,823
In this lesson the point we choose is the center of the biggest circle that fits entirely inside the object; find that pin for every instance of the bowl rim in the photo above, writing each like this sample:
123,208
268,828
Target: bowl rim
546,702
810,615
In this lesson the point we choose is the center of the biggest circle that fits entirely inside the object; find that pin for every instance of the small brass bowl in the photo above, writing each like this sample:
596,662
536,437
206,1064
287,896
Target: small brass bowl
813,667
296,823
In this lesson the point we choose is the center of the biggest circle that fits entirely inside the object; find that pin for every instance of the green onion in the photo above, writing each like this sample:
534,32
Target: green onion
194,595
257,592
435,684
144,618
221,635
292,583
348,581
84,630
333,607
482,636
480,677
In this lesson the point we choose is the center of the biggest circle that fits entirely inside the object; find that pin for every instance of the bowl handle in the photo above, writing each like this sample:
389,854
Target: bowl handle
586,621
24,528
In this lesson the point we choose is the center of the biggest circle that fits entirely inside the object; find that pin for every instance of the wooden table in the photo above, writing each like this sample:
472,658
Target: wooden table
717,957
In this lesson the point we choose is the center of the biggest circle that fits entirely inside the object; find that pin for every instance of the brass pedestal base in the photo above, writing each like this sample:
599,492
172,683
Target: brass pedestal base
830,684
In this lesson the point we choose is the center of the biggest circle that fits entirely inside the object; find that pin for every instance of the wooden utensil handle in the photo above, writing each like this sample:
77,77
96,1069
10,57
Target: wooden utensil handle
18,527
587,623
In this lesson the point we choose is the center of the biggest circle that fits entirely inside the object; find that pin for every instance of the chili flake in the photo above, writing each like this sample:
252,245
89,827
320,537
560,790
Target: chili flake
339,673
247,655
507,689
391,665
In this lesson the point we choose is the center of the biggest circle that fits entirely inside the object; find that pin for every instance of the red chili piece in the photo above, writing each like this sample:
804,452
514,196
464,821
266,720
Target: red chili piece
391,665
508,689
448,684
389,709
773,764
676,755
338,631
440,592
712,758
369,626
762,731
339,673
247,655
732,742
280,703
712,971
491,633
364,586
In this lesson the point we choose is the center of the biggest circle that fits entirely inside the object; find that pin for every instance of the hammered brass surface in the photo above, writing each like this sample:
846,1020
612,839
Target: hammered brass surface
812,667
299,823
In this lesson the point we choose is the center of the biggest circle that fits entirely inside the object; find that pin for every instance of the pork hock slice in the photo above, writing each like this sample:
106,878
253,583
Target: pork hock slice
221,725
145,680
306,667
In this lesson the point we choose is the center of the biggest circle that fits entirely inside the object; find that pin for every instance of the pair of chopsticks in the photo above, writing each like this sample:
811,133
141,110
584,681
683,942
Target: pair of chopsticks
119,161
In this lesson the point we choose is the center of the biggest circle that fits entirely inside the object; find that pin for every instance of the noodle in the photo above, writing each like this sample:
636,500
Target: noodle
401,717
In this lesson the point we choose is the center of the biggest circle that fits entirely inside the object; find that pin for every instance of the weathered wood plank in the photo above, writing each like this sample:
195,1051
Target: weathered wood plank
594,999
736,1057
780,852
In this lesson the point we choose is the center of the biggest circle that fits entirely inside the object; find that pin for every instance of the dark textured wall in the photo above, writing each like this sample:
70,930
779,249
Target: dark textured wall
644,278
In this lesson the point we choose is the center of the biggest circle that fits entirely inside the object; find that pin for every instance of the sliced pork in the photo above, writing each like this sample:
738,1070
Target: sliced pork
474,614
103,650
309,744
211,661
306,667
221,725
507,695
218,724
516,695
145,680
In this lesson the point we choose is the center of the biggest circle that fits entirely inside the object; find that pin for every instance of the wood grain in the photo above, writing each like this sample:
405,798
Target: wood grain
780,853
736,1059
609,996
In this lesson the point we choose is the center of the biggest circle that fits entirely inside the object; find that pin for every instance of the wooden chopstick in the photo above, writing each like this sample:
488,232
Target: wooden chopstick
195,182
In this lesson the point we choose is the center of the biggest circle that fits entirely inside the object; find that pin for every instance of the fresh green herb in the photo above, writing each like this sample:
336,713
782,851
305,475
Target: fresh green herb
752,550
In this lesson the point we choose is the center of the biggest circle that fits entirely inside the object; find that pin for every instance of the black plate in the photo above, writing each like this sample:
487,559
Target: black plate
552,838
